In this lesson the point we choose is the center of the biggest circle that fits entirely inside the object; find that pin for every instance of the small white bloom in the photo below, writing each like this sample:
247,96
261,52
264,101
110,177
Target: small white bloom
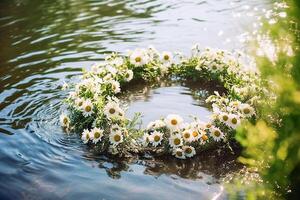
138,58
64,120
247,110
217,134
157,124
86,136
116,138
97,135
87,108
195,134
79,102
156,138
189,151
187,135
178,153
115,86
234,121
204,138
128,75
166,57
175,140
223,117
111,110
173,121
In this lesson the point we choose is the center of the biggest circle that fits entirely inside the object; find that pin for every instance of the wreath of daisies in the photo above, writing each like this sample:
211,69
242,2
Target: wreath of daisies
95,112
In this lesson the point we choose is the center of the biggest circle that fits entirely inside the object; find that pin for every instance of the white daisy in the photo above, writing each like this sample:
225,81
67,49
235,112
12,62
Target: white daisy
203,139
178,153
79,102
64,120
87,108
195,135
128,75
223,117
217,134
97,135
115,86
86,136
187,135
166,57
138,58
157,124
233,121
173,121
116,138
175,140
246,110
117,61
111,109
156,138
189,151
145,139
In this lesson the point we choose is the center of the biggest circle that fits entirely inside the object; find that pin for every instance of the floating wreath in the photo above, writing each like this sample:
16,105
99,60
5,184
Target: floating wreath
95,111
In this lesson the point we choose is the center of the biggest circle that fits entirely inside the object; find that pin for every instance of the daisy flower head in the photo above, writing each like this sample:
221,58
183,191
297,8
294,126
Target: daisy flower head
97,135
79,102
86,136
138,58
246,110
156,138
128,75
217,134
175,140
233,121
187,135
115,86
166,57
111,109
179,153
223,117
195,135
145,139
173,121
189,151
116,138
203,139
157,124
87,108
64,120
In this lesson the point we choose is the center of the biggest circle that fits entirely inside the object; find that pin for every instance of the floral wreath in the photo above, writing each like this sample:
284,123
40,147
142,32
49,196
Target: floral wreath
95,112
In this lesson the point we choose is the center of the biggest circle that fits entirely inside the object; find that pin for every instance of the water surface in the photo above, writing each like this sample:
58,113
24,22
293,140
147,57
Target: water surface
46,42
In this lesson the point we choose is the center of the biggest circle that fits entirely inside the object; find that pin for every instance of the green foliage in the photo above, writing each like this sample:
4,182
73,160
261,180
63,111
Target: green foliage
273,143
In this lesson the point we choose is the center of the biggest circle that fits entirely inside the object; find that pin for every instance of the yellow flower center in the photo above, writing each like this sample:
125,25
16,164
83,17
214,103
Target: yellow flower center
246,110
174,122
208,125
217,133
156,138
225,117
187,135
80,103
88,108
204,137
87,136
117,138
111,110
138,59
188,150
179,153
65,120
176,141
166,57
234,121
195,133
96,135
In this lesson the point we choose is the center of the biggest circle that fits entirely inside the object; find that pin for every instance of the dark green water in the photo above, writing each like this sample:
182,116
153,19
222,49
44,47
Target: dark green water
46,42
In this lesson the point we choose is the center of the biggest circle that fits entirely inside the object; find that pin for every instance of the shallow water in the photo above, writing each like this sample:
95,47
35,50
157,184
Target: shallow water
46,42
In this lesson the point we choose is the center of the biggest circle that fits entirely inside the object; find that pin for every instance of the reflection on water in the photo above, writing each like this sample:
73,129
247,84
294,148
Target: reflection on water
46,42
